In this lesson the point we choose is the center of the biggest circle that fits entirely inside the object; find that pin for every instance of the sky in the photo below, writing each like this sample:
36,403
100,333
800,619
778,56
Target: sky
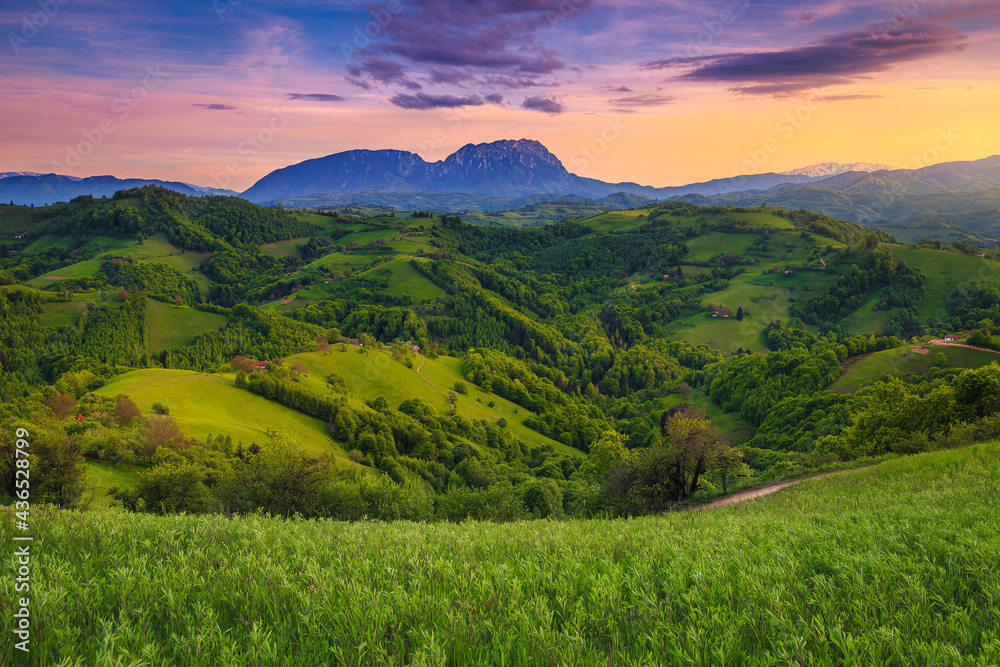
221,92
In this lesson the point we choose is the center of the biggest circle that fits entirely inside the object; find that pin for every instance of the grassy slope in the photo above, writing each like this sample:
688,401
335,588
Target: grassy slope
944,271
173,326
877,366
376,373
891,565
87,267
206,405
405,280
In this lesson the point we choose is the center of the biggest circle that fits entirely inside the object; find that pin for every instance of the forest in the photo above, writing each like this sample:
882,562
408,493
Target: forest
600,339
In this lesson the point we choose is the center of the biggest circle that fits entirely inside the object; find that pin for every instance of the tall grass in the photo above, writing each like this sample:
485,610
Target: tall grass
897,564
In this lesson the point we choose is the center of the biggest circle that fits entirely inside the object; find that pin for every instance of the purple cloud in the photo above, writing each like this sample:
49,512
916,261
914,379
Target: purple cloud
316,97
492,44
644,100
494,98
543,104
838,59
216,107
423,101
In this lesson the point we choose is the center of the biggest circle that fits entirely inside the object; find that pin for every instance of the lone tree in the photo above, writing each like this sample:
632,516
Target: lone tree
126,411
674,470
739,314
61,405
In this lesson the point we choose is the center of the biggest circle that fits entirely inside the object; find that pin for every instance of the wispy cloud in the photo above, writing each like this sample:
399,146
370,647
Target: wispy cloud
216,107
316,97
643,100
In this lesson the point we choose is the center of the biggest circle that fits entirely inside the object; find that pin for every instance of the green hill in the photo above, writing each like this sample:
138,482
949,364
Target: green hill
909,547
205,405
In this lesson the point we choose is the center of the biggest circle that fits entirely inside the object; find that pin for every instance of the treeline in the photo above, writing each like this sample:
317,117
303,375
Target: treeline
157,280
870,270
802,364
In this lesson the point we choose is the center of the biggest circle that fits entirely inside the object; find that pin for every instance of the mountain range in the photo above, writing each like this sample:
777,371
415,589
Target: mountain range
960,194
506,169
509,174
41,189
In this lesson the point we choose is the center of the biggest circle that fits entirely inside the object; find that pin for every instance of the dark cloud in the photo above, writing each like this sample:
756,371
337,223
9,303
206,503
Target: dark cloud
423,101
643,100
544,104
838,59
216,107
623,89
494,44
316,97
494,98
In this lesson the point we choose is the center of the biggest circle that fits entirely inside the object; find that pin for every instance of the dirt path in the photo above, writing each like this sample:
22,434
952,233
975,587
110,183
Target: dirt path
750,494
423,359
948,343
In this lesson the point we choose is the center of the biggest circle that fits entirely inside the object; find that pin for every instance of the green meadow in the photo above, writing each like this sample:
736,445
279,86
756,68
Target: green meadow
904,361
206,405
896,564
378,374
173,326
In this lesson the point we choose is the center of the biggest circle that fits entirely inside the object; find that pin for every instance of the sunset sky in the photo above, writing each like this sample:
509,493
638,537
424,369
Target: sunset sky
660,93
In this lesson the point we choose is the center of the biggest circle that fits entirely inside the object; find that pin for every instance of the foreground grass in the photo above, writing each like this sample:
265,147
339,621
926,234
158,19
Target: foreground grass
897,564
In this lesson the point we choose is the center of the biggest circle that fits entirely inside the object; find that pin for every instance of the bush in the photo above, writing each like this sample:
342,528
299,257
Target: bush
501,503
160,408
461,387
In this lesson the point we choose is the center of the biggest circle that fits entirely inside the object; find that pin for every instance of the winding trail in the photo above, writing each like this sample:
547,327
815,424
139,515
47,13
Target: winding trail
750,494
423,359
947,343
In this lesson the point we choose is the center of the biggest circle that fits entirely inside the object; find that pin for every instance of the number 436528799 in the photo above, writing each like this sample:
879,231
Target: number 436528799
21,474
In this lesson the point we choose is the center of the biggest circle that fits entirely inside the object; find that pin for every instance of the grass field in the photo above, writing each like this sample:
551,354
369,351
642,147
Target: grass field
897,564
944,271
879,365
726,335
709,245
376,373
405,280
103,476
15,219
87,267
173,326
289,248
206,405
59,313
617,220
867,320
338,261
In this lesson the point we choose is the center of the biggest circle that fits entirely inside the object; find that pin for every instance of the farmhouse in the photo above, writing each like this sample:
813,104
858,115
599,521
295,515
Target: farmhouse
951,336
